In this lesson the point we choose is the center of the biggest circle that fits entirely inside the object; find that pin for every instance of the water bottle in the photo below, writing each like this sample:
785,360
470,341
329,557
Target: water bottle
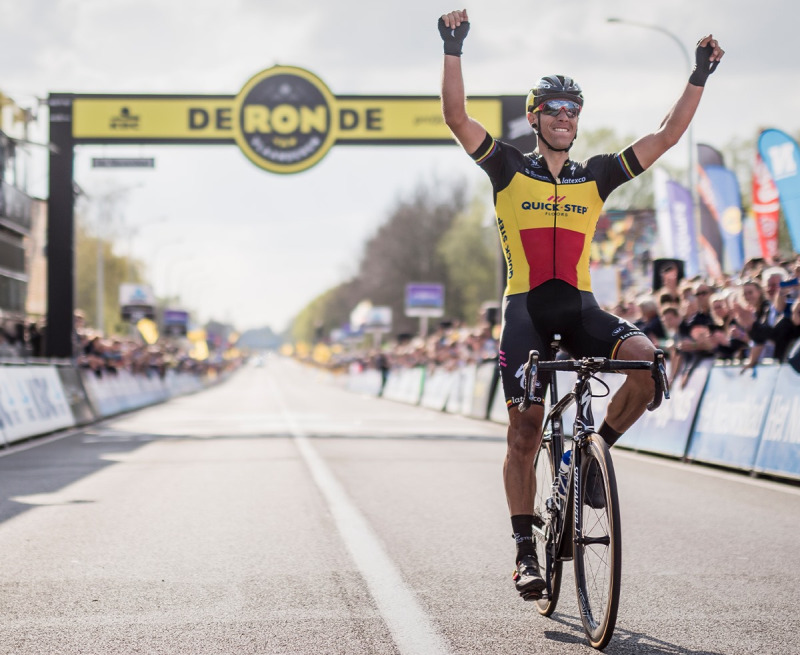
562,479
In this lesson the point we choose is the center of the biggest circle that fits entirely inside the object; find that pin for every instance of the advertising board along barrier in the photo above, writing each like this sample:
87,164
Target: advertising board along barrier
731,415
368,381
667,429
404,385
438,385
113,393
32,402
478,398
72,385
460,399
779,450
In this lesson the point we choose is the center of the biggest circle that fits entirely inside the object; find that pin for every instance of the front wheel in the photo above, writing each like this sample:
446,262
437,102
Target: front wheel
598,549
543,531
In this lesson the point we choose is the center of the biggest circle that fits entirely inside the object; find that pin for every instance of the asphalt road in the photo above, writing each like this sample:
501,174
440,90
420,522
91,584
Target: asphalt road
280,514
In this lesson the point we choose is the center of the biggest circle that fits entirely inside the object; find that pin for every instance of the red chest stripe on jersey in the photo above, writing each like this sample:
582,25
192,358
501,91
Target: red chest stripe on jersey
545,245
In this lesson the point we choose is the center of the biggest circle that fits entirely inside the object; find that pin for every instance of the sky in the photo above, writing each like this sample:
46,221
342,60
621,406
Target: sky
246,246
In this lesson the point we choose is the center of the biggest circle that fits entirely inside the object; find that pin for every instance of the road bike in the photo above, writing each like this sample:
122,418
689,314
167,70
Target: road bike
588,532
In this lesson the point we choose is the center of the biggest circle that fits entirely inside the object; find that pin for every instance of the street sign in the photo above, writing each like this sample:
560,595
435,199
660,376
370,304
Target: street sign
425,299
123,162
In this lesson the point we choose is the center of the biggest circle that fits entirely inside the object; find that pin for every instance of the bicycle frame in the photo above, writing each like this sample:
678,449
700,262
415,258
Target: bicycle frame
583,428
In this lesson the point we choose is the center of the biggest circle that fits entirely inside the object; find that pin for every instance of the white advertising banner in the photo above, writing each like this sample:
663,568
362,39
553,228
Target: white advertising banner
32,402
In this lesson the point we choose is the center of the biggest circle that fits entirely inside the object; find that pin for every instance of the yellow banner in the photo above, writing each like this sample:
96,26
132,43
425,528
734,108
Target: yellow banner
198,119
153,118
406,119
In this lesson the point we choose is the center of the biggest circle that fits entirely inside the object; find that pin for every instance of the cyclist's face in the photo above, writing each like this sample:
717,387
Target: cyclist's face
559,130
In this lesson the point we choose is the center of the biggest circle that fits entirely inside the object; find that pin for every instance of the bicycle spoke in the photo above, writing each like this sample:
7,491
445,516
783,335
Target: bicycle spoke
543,532
597,555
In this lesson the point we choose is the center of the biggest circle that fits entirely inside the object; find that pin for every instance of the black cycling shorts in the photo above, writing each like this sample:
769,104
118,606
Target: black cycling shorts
531,319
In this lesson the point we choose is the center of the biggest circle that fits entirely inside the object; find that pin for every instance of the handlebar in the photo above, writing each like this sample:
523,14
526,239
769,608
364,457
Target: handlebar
587,366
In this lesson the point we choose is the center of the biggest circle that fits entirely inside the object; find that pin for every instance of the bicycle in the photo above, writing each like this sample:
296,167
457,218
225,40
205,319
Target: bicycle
588,532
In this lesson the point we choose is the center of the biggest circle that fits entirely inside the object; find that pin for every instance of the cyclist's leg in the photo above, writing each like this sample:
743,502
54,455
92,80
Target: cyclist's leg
523,440
522,443
631,399
524,437
605,335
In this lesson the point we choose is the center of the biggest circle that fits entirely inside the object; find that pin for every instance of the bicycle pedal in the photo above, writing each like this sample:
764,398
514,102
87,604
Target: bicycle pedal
533,595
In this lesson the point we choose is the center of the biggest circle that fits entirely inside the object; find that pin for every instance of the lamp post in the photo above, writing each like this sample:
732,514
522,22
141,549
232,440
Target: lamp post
691,172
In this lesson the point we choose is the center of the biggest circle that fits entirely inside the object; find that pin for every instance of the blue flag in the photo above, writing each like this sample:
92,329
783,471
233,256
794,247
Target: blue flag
781,154
675,218
728,206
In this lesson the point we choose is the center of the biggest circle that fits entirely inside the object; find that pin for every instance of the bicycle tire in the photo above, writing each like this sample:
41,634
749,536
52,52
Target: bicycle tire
545,475
598,557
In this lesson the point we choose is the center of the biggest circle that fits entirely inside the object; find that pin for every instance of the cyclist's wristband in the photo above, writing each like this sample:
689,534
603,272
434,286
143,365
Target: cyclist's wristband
453,37
702,66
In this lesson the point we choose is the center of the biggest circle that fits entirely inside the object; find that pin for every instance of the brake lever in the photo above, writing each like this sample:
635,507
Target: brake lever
658,372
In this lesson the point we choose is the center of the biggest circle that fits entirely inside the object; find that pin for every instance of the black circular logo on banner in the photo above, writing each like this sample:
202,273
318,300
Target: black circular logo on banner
285,119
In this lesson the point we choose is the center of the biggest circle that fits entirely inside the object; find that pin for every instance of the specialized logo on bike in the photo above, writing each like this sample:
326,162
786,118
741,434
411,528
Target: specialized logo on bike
284,119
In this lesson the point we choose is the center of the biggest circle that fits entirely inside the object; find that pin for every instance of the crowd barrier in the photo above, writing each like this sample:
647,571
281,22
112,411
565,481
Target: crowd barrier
37,399
716,415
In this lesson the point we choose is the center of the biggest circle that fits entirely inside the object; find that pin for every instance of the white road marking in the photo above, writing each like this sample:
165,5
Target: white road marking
412,630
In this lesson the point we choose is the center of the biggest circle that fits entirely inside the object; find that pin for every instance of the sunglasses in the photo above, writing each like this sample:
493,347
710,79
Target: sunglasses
553,107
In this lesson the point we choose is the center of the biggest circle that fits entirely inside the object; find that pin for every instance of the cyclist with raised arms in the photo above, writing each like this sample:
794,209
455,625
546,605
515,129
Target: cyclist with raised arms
547,208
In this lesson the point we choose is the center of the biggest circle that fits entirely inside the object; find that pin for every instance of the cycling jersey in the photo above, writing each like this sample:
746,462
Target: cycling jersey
546,228
546,225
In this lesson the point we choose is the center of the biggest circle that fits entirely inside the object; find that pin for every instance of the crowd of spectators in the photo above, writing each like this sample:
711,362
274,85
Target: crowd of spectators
21,339
104,355
449,346
744,319
107,355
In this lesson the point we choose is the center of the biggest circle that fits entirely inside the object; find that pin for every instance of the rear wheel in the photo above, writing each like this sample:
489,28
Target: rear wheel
598,552
543,532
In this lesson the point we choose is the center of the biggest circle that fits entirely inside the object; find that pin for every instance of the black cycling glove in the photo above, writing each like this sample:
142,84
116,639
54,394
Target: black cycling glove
702,66
453,38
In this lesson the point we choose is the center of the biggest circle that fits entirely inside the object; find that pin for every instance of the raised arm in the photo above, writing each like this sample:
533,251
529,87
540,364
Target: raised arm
649,148
453,28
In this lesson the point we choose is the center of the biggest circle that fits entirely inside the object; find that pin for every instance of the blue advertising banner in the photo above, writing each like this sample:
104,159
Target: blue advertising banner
732,415
781,154
779,451
675,218
667,429
727,201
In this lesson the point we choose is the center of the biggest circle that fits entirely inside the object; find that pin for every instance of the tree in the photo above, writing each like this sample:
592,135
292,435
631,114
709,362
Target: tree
472,255
404,249
117,269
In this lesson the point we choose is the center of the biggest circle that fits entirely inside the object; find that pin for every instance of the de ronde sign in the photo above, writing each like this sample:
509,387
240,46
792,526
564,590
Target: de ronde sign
284,119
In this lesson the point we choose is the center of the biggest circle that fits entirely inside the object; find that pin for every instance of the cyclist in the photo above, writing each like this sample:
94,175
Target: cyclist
547,207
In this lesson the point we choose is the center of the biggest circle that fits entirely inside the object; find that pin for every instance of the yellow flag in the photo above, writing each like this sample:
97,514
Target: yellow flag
199,344
148,329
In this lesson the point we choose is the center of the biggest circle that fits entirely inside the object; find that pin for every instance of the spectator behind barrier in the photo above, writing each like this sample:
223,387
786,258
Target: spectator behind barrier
734,345
650,321
752,311
690,319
